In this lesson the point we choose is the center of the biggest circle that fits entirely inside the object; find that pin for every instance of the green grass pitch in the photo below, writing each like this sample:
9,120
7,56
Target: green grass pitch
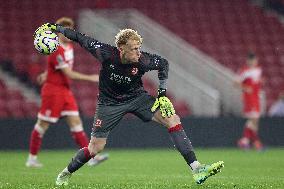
155,169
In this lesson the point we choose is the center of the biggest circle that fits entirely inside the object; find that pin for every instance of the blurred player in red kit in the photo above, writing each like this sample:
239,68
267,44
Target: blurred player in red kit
250,81
58,100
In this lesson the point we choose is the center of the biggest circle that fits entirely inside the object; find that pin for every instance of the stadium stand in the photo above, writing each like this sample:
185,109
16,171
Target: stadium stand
13,103
17,45
225,30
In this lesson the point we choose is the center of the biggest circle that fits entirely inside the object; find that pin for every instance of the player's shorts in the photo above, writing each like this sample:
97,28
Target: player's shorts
252,109
57,104
108,116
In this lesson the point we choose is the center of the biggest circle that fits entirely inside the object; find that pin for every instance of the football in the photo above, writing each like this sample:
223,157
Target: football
46,42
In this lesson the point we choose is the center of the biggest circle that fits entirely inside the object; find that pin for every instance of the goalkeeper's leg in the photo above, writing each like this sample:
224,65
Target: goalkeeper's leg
83,156
184,146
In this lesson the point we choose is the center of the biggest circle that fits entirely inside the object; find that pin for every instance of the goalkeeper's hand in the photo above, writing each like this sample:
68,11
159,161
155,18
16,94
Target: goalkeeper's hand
164,103
46,27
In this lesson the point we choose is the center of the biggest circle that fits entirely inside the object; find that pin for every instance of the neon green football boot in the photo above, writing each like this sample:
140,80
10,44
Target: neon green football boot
63,178
205,171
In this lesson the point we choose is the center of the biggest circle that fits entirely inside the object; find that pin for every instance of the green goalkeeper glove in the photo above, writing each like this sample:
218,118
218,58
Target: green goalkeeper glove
46,27
164,103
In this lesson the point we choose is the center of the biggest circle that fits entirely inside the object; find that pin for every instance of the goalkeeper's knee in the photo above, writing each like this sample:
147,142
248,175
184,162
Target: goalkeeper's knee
172,121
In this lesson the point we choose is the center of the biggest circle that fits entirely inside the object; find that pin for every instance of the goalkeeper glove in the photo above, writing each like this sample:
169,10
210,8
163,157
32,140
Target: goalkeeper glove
46,27
164,103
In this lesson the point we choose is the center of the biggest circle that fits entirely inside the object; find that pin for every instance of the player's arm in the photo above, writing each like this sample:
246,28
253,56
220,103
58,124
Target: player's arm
79,76
239,84
155,62
41,78
98,49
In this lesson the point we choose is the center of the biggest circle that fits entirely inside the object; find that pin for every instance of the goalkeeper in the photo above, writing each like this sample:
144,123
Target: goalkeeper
121,91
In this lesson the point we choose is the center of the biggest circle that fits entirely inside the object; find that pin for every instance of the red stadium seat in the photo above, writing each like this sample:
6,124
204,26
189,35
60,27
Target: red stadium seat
219,28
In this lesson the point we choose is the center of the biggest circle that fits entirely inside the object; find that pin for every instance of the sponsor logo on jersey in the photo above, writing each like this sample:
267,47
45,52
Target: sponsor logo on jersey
120,78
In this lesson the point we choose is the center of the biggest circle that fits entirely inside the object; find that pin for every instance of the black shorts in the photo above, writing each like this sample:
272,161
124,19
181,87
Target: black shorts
107,116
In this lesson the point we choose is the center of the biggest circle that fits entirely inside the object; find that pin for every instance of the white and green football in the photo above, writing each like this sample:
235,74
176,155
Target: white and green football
46,42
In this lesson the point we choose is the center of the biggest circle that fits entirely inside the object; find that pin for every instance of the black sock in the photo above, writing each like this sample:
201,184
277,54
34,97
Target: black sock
182,143
82,157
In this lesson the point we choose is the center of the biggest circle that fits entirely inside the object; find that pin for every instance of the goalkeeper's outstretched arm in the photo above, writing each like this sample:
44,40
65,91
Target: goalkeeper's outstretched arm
71,34
96,48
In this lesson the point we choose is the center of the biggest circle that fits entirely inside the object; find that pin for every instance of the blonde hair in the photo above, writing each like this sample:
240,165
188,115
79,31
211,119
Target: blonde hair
66,22
124,35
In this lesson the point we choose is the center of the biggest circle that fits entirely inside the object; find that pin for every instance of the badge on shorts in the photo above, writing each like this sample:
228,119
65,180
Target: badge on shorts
98,123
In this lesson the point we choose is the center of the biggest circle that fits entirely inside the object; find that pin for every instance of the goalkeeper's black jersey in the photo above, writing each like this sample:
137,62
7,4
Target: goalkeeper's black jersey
119,82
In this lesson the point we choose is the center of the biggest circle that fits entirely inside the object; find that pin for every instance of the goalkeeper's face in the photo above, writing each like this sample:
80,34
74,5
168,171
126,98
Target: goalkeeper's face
131,51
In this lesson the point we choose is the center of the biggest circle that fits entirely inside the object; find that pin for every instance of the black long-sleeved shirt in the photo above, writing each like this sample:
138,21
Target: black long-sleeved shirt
119,82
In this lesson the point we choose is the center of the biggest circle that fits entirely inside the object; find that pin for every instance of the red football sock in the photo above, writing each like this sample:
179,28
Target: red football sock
35,142
247,133
254,136
80,138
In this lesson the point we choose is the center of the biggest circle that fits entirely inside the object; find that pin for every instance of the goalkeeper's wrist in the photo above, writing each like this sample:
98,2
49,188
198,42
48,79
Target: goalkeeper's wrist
162,92
59,28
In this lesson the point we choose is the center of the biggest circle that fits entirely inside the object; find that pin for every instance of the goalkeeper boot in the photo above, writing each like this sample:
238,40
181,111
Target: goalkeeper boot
97,159
33,162
205,171
63,178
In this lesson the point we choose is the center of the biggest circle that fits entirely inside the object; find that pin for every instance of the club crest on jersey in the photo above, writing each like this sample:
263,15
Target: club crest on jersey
134,71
